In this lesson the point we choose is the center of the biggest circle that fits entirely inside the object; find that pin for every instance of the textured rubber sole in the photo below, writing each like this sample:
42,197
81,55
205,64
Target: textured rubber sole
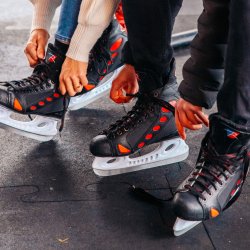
101,90
41,128
183,226
168,152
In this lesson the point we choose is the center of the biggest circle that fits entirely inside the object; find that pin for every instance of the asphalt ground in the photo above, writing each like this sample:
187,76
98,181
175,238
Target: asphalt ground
51,199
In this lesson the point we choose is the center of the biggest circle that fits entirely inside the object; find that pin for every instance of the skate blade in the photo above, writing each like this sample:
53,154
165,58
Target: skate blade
101,90
41,128
183,226
168,152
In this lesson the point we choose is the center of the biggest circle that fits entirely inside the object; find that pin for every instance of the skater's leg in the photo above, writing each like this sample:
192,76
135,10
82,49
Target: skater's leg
68,20
149,25
234,97
223,162
204,71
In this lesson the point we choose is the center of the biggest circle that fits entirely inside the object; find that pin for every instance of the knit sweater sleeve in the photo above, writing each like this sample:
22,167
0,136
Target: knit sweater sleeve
94,17
43,14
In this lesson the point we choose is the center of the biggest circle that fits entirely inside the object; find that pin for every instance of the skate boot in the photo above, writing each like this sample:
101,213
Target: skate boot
104,65
217,180
149,122
35,95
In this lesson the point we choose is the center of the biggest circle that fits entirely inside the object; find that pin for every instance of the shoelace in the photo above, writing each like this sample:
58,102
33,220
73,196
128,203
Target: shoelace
33,82
210,168
143,106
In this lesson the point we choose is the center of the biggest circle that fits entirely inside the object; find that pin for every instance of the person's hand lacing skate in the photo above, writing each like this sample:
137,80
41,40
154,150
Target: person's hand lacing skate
125,83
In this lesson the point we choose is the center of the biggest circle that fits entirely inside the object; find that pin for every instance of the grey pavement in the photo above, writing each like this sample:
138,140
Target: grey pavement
51,199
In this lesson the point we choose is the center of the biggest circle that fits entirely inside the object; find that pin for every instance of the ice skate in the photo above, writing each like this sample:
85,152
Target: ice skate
104,65
217,180
35,95
150,123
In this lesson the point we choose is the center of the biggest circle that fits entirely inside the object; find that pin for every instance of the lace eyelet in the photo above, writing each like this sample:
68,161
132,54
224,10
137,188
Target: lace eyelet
119,133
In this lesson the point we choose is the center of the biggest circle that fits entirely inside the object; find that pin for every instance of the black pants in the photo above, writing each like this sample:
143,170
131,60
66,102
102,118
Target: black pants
223,41
234,97
150,24
218,68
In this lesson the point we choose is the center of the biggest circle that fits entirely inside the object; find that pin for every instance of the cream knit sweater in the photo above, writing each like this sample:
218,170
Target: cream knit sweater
93,19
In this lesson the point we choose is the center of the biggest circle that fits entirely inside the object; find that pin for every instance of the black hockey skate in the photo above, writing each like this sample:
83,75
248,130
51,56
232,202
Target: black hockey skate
217,180
150,121
35,95
104,65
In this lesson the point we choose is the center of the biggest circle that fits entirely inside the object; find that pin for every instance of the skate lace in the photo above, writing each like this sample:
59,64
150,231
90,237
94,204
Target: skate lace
98,55
211,167
143,107
36,82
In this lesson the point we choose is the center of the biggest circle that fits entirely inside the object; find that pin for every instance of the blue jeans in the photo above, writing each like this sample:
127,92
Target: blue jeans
68,20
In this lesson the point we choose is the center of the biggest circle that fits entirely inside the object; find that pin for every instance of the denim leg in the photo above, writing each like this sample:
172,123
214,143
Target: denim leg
68,20
234,97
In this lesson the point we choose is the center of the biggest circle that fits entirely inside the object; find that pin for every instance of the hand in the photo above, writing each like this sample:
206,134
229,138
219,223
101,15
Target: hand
125,83
35,47
189,116
73,77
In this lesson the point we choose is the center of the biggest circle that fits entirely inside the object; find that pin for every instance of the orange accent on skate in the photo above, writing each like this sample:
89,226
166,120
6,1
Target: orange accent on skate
56,95
233,192
41,103
33,108
109,63
116,45
238,182
123,149
141,145
49,99
164,110
104,71
163,119
148,136
120,17
214,212
17,105
156,128
114,55
88,87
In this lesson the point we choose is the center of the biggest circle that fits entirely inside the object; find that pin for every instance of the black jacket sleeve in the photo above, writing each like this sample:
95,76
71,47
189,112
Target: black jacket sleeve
203,72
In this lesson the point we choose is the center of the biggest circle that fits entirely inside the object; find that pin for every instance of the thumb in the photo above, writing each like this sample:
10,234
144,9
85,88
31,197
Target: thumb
41,51
180,128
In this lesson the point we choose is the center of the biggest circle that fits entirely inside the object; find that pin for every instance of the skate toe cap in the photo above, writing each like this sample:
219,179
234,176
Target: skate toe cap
187,207
100,146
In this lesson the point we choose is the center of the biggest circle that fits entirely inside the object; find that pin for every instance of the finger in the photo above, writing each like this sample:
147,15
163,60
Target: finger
193,118
41,50
30,50
186,122
69,87
180,128
32,62
62,86
116,93
83,80
76,84
203,117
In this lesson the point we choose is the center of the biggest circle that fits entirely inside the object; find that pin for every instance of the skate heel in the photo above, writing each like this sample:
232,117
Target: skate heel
41,128
183,226
168,152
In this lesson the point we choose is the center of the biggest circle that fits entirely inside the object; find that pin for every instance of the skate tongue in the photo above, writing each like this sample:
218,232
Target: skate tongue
54,58
225,138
